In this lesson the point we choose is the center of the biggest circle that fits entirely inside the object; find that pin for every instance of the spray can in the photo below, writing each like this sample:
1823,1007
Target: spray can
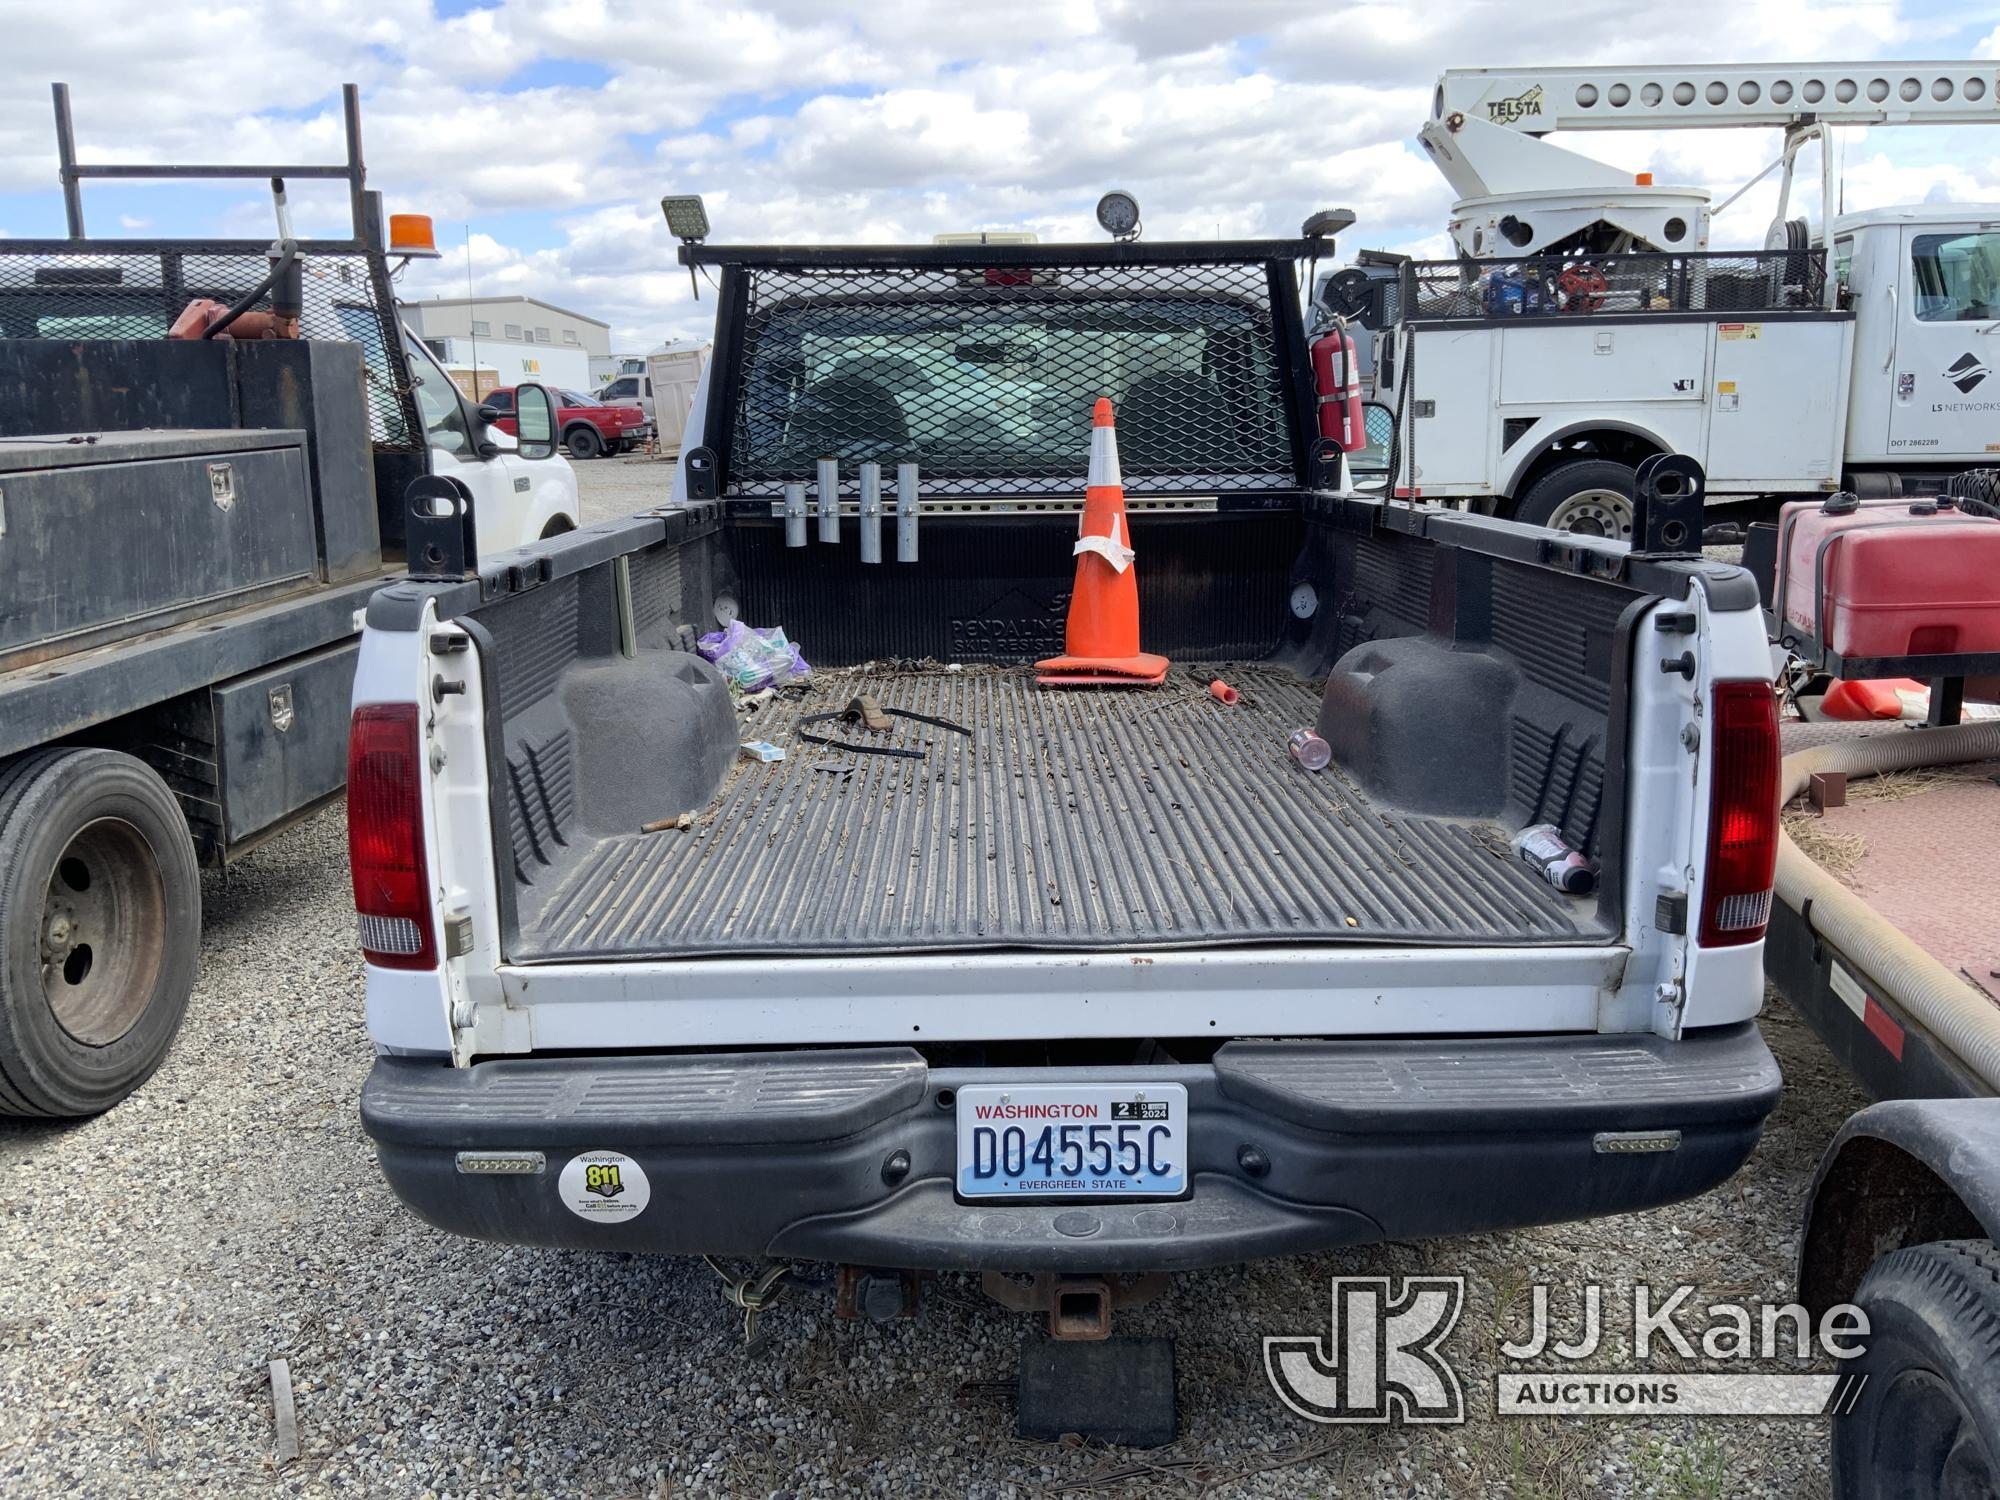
1309,750
1544,847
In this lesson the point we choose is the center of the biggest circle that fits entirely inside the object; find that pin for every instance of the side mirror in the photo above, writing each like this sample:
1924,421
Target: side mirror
535,421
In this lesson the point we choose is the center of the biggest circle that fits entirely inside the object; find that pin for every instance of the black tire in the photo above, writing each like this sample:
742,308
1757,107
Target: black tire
556,526
1582,496
1928,1420
583,442
100,929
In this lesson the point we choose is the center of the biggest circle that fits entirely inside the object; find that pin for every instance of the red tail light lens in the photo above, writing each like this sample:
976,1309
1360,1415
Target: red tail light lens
385,837
1742,815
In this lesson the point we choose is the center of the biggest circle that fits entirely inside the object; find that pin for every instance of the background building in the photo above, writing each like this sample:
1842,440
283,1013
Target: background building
506,340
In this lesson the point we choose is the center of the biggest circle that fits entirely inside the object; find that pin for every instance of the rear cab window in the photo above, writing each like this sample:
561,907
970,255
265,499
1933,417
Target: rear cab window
988,378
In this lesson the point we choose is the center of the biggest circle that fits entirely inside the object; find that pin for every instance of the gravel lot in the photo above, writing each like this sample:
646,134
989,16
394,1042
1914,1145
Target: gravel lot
230,1213
610,487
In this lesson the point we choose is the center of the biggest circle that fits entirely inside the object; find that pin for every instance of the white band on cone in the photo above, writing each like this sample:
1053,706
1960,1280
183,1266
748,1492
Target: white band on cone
1104,457
1111,548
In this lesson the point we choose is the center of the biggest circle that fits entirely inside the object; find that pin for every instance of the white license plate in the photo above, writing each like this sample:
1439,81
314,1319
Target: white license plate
1072,1140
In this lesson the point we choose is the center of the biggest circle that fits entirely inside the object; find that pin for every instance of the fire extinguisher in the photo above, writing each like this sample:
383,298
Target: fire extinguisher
1337,374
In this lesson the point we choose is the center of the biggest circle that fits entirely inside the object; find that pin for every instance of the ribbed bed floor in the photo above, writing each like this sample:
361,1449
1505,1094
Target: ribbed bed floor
1072,819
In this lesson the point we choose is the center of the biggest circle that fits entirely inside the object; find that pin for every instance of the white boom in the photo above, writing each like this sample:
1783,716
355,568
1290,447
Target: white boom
1538,100
1519,194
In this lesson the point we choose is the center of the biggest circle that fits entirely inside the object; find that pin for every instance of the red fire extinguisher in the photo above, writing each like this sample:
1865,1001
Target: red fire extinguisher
1337,374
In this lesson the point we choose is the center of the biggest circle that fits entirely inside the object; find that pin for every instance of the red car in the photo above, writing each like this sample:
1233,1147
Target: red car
589,429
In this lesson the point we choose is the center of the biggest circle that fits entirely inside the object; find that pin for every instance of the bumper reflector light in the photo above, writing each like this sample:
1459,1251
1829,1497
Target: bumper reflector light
1634,1142
500,1163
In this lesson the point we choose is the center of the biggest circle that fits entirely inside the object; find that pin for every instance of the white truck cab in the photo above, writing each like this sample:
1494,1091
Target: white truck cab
516,500
629,390
1924,283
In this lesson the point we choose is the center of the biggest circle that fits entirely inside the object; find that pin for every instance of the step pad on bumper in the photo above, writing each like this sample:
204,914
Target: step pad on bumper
1499,1082
749,1097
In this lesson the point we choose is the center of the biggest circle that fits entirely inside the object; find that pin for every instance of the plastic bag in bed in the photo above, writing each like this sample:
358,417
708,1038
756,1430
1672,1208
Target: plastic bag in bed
754,659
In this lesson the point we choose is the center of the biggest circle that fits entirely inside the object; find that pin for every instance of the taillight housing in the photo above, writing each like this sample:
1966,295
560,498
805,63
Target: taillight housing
1742,814
385,837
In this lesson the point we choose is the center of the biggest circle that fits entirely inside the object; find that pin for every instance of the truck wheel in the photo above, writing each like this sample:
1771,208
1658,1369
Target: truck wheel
100,927
1592,496
1927,1426
583,442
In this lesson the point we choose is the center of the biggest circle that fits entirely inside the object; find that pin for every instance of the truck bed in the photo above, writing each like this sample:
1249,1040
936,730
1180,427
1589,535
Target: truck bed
1065,819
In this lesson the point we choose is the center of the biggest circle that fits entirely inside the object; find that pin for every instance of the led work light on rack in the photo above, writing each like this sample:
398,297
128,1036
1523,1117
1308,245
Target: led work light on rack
1118,215
687,221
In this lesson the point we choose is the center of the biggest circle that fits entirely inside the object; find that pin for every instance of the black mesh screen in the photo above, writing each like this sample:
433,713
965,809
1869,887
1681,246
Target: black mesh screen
1580,285
986,378
128,289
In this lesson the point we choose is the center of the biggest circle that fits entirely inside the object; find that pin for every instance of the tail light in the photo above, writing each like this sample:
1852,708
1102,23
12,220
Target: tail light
1742,815
385,837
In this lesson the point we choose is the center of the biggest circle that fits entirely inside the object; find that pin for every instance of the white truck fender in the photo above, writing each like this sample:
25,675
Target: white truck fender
1548,431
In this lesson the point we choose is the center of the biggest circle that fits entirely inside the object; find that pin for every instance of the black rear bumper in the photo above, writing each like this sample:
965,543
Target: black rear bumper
789,1154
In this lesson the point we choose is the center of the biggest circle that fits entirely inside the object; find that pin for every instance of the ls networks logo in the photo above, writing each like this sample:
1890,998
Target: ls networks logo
1966,372
1380,1357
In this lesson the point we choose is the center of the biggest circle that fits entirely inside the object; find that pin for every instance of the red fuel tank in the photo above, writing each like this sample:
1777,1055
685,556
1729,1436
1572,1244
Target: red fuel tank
1889,577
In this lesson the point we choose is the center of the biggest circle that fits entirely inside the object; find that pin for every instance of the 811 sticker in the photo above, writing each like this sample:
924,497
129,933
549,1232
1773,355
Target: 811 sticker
604,1187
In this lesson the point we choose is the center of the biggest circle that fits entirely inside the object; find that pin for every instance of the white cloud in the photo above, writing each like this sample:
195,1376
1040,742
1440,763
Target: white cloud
830,119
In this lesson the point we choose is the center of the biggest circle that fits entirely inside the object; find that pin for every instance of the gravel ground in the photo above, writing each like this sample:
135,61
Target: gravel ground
608,487
229,1213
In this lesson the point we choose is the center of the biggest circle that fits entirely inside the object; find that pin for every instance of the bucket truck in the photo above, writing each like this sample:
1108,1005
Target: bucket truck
1585,324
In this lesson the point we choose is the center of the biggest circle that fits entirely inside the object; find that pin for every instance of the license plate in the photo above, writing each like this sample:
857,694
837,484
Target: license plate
1072,1141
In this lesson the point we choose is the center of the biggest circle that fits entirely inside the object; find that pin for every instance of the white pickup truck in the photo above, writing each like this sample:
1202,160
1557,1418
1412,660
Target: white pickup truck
1106,983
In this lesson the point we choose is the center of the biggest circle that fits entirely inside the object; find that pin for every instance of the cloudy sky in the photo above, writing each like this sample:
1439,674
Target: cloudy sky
545,132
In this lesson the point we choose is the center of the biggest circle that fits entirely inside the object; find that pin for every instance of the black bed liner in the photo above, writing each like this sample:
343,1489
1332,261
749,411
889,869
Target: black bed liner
1069,820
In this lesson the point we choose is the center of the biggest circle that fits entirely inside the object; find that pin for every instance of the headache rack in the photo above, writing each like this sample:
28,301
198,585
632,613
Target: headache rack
83,288
1718,284
980,363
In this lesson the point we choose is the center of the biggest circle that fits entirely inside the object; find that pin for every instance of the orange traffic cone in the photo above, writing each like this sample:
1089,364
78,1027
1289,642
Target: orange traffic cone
1101,638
